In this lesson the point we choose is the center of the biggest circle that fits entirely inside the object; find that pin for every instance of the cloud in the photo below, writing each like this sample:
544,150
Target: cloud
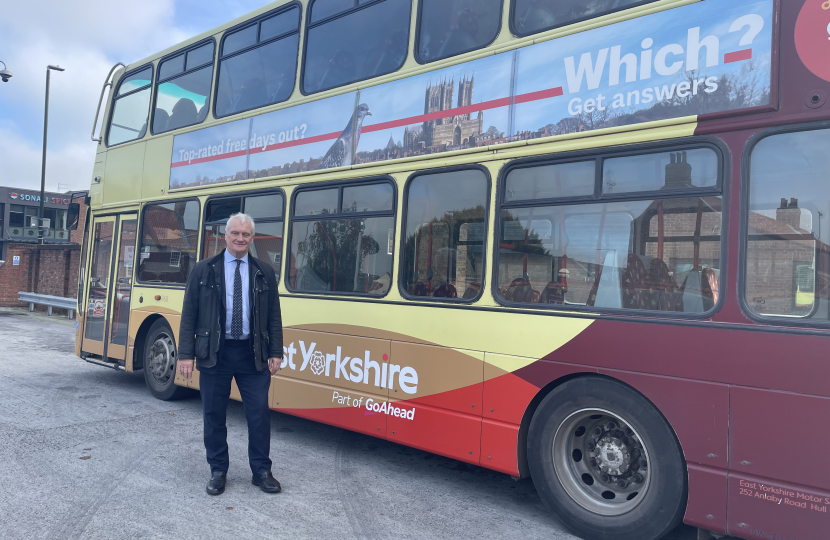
86,38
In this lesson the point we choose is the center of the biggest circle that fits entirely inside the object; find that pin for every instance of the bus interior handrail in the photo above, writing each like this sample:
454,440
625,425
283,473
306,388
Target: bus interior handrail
107,82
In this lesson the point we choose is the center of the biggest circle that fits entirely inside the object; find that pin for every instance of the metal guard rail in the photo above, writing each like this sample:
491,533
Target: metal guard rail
69,304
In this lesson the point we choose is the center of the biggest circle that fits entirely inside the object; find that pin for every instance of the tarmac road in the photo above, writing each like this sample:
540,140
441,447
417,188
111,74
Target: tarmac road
86,452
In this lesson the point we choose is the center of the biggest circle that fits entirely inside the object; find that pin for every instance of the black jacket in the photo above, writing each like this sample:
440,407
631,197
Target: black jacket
202,328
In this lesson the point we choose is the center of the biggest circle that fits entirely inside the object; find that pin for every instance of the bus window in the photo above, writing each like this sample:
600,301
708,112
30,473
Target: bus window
183,89
332,253
349,41
319,201
446,219
787,256
458,26
132,104
217,212
169,235
652,253
696,168
267,212
374,198
551,181
533,16
254,73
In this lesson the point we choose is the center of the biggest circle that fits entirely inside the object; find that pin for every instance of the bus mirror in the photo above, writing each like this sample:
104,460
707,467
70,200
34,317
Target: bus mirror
72,215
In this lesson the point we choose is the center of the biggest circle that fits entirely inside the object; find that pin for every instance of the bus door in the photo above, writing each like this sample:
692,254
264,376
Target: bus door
98,278
118,317
108,286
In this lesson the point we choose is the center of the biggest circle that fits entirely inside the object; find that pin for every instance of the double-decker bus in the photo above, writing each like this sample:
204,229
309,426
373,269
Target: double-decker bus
584,241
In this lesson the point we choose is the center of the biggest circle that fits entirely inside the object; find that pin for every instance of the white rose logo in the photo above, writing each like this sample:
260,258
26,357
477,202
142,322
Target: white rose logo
318,363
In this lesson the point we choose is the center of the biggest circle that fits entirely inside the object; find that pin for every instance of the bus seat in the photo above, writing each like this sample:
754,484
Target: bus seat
472,290
445,290
520,290
663,294
160,120
184,114
419,288
554,293
696,291
634,288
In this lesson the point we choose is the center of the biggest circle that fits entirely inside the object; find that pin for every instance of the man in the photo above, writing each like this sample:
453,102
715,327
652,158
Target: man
231,325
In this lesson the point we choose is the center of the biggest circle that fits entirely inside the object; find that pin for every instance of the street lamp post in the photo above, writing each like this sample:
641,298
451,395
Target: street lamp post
40,231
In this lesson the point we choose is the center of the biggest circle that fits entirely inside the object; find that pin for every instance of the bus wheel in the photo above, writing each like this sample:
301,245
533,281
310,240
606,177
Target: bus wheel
160,363
607,462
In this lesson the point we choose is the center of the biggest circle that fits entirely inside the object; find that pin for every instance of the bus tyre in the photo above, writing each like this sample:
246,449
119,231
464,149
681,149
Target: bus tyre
605,460
160,363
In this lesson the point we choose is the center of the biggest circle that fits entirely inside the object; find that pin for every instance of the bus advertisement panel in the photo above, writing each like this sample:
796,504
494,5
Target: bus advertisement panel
696,59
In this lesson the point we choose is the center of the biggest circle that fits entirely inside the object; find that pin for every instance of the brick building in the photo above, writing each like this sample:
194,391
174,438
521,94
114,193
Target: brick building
50,268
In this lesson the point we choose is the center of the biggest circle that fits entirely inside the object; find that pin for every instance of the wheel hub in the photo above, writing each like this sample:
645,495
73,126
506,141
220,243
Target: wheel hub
161,358
601,462
613,456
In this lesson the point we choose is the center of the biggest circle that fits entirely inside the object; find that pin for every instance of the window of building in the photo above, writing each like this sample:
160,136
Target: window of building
258,64
349,41
183,88
787,255
130,107
533,16
458,26
343,249
446,224
16,214
169,239
267,213
657,252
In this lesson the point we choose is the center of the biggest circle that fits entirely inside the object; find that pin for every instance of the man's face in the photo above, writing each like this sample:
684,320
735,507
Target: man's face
239,238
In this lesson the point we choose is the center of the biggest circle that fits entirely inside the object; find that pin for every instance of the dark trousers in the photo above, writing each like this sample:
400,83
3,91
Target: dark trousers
236,361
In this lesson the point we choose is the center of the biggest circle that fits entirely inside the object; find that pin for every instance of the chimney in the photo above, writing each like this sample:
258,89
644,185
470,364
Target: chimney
789,213
678,172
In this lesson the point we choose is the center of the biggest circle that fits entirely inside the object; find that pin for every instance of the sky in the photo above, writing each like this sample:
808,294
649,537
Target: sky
86,37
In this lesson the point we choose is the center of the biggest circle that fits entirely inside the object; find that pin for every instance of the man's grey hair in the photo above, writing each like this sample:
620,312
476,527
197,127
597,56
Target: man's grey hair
242,219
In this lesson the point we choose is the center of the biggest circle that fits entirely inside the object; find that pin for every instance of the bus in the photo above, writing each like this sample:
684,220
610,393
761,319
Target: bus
582,241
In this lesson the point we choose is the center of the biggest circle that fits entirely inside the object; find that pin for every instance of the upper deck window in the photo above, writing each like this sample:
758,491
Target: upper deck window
458,26
258,63
788,255
129,111
353,40
653,243
183,88
534,16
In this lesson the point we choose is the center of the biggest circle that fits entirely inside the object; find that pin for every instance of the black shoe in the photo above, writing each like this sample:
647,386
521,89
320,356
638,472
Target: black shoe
216,485
266,482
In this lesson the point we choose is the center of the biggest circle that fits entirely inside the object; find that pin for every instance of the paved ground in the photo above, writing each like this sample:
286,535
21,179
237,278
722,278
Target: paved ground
86,452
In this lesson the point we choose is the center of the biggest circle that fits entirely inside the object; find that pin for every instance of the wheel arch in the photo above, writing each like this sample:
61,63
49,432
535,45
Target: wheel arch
141,338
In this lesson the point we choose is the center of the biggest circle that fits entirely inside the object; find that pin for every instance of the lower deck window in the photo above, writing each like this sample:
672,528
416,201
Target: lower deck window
169,235
661,255
348,248
656,250
787,257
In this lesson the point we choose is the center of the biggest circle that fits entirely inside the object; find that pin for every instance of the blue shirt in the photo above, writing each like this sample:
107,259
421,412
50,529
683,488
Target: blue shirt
230,273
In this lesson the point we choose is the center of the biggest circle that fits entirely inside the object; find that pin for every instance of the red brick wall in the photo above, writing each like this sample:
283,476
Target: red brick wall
49,269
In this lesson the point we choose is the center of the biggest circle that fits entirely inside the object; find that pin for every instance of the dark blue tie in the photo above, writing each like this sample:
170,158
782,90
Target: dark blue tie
236,320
